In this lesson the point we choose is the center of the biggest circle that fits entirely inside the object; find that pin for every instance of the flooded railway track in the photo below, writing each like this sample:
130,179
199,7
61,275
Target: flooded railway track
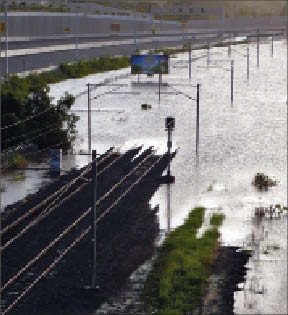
46,253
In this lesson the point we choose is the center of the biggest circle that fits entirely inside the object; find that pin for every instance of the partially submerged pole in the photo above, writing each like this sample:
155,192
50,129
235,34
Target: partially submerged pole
232,79
272,45
229,47
208,54
247,62
258,42
190,63
197,118
94,215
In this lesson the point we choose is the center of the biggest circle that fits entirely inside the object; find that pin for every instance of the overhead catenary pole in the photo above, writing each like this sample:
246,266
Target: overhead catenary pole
272,45
232,79
208,54
258,40
197,118
229,46
247,55
89,120
190,51
94,215
160,79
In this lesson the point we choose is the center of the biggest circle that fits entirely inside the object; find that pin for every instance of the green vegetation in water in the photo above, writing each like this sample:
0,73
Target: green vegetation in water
226,44
146,106
17,161
210,187
217,219
177,283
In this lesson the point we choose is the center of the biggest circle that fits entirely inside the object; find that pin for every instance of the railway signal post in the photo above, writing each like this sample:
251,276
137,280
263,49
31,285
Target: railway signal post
169,127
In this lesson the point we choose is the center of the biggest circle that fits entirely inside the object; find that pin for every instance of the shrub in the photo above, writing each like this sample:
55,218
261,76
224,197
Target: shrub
17,161
217,219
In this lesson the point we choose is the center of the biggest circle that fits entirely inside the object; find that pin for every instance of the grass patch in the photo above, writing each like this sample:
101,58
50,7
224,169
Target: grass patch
177,283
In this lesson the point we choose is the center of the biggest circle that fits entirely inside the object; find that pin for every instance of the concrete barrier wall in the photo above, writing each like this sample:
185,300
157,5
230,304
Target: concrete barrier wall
41,25
53,24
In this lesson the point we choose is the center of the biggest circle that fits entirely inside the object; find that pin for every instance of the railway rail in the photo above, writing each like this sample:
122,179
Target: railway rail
39,237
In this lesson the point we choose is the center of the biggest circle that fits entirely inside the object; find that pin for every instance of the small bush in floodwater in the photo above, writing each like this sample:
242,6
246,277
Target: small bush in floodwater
217,219
17,161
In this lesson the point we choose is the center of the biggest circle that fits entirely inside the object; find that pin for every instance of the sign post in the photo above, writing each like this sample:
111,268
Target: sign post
55,161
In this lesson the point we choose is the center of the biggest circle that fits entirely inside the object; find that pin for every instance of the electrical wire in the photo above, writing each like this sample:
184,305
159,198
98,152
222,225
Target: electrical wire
77,240
63,188
27,119
45,213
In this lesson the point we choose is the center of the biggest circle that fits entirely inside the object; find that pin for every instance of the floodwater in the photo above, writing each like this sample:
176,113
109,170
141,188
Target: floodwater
236,142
